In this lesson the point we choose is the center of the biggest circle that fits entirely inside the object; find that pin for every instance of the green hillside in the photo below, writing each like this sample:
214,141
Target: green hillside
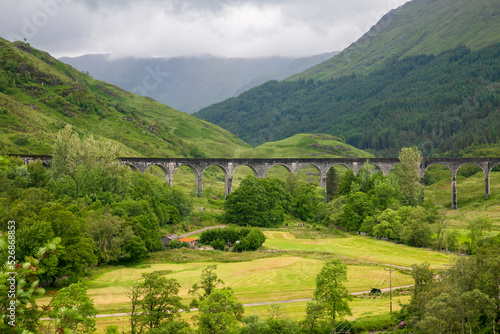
418,27
304,145
40,95
442,103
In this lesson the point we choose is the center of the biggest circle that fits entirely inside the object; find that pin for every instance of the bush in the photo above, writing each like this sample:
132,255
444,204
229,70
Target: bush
218,244
175,244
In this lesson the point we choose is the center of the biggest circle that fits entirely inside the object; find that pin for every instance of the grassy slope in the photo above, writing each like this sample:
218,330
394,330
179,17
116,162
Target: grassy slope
418,27
304,145
470,199
40,95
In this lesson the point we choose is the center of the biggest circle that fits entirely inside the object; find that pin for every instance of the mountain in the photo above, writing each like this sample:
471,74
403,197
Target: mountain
442,103
416,28
191,83
39,95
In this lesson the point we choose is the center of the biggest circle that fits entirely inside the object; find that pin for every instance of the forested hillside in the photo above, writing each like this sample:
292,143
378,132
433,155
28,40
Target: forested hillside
441,103
39,95
418,27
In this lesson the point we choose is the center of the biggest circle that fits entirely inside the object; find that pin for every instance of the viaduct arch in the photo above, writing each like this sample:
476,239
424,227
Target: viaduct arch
261,166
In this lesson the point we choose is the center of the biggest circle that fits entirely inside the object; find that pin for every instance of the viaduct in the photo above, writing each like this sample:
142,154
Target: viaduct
261,166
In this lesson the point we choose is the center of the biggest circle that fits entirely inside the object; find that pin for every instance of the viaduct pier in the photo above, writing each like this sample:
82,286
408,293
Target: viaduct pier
260,167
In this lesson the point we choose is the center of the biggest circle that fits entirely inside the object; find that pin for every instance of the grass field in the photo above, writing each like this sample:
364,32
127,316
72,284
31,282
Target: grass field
361,248
261,280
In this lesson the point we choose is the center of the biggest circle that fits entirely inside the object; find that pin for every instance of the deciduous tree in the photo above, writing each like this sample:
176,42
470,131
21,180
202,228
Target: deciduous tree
330,289
409,175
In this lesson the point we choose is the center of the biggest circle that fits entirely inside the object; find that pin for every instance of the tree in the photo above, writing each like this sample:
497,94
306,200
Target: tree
345,182
209,282
471,305
73,310
409,175
332,184
315,311
155,301
330,289
306,201
357,207
253,240
389,225
416,230
219,313
257,202
109,234
19,312
477,229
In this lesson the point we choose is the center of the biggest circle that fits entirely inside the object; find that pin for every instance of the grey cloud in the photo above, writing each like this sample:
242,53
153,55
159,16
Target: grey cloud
185,27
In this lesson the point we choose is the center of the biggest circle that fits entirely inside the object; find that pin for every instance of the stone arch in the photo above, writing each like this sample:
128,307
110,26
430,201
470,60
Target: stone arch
273,171
330,193
132,166
224,168
214,183
385,168
436,163
235,177
197,177
338,164
468,174
450,177
308,176
255,173
166,171
493,165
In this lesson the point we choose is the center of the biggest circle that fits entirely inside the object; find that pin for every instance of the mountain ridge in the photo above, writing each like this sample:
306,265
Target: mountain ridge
192,82
441,102
417,27
39,95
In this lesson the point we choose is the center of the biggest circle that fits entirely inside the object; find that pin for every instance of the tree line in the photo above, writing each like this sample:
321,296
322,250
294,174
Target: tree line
101,212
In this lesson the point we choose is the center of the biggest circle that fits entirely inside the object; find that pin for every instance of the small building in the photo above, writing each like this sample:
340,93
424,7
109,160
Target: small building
192,242
167,238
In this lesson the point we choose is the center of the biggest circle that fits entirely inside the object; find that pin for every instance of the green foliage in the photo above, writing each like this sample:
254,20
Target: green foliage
330,289
257,202
307,201
19,291
356,209
464,298
112,329
408,173
219,313
228,234
101,211
209,283
476,230
332,184
73,310
155,302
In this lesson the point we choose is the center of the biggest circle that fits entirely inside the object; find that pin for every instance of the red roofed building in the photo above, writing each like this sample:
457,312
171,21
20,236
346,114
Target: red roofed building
192,242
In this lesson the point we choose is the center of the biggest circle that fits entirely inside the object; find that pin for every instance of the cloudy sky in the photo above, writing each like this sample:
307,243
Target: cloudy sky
169,28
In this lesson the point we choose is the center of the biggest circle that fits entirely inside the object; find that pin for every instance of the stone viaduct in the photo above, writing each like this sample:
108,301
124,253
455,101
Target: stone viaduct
261,166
